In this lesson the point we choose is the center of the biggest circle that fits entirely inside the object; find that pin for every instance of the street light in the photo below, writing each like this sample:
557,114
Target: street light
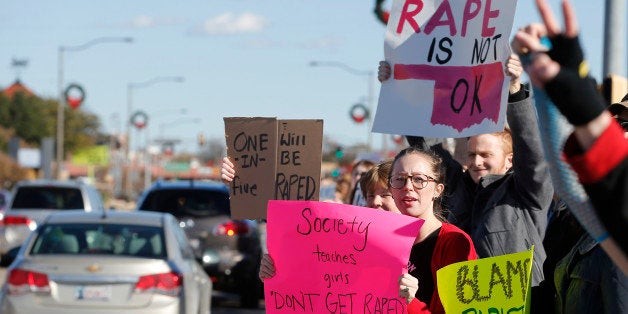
148,159
370,89
61,100
129,97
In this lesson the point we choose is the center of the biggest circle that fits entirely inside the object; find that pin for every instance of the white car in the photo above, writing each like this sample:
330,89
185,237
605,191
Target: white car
33,201
123,262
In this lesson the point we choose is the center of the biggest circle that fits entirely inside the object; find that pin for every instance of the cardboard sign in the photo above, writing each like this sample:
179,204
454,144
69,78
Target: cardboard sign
274,159
448,68
252,147
299,160
499,284
336,258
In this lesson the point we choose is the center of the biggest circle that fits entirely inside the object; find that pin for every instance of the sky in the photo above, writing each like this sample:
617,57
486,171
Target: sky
238,58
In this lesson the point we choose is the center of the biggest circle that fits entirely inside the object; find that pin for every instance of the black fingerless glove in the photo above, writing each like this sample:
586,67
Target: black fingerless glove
576,98
567,52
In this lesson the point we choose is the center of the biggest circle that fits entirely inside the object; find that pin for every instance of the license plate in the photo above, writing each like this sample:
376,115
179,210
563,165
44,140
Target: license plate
93,293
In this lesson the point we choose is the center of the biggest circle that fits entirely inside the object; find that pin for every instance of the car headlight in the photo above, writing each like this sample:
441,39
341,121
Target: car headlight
210,257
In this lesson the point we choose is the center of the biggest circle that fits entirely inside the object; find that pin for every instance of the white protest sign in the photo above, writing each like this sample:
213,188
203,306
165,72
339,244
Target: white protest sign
448,68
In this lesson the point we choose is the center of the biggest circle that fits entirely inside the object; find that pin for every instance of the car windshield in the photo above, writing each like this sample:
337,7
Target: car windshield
48,198
187,202
107,239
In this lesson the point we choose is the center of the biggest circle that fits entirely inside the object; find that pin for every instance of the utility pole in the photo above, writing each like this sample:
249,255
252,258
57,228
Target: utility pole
615,38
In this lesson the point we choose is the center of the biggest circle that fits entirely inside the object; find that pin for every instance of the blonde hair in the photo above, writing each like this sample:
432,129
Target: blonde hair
506,138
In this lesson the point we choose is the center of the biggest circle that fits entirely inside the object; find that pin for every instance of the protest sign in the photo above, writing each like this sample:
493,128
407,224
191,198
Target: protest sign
448,61
252,147
274,159
336,258
499,284
299,164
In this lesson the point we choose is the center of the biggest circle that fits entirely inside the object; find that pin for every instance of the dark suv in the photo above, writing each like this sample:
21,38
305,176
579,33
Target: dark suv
228,249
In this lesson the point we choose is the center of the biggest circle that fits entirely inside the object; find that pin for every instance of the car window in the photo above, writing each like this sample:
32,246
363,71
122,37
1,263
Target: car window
96,199
108,239
187,202
182,239
48,198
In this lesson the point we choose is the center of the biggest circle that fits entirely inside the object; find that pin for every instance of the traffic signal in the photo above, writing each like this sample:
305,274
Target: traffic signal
339,153
201,139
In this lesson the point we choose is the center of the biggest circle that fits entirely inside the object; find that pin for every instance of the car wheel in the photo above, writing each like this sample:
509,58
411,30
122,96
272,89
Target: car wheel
251,293
251,287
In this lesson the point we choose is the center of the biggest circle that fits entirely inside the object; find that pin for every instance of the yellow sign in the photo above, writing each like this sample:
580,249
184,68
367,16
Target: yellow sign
95,155
499,285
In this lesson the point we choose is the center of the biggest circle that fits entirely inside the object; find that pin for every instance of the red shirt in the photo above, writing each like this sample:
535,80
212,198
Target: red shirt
453,245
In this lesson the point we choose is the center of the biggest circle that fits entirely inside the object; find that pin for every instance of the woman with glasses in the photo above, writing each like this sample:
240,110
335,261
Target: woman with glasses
416,184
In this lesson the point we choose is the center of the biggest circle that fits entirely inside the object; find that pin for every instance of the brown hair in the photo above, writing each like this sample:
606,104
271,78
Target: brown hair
438,168
376,176
363,162
343,187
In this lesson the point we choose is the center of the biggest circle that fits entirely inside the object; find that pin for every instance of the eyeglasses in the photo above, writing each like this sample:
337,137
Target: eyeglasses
419,181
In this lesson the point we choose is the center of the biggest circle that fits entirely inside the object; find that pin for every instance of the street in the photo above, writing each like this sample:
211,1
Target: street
221,304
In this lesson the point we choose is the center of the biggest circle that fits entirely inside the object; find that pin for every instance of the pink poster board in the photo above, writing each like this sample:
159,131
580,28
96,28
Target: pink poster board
336,258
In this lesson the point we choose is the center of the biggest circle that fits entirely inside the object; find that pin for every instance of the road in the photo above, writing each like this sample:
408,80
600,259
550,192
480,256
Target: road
222,304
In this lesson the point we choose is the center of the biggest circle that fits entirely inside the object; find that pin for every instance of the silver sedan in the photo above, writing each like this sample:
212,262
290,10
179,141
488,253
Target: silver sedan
123,262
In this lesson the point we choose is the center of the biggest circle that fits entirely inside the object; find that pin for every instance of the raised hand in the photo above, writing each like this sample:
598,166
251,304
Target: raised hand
227,171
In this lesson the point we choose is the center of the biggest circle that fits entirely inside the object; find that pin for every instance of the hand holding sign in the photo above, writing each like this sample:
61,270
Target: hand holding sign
266,267
408,286
227,171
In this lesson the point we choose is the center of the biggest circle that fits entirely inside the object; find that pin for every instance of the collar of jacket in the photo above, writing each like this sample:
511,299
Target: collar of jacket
485,180
586,244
